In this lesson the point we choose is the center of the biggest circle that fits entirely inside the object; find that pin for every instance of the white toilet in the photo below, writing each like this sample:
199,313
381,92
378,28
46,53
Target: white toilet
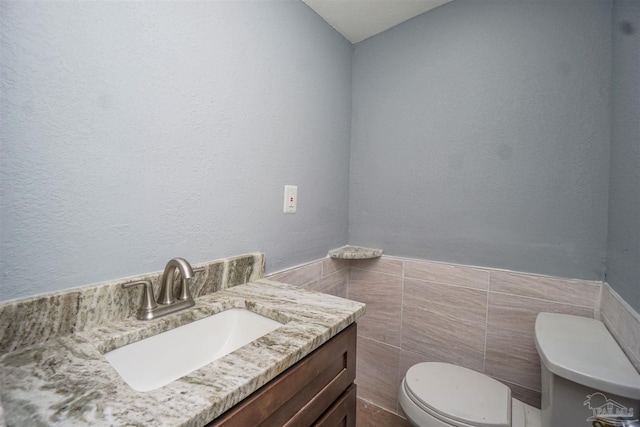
581,365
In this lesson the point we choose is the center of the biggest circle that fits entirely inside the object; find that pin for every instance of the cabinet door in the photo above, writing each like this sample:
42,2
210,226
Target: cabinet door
342,413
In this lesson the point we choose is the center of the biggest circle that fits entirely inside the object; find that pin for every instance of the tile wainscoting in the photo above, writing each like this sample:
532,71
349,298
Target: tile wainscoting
476,317
326,275
623,322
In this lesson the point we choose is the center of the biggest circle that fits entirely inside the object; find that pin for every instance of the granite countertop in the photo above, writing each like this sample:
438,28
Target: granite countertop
355,252
66,381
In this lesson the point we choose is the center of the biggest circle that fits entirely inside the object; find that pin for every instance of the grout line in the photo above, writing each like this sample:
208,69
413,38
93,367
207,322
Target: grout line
334,273
376,271
599,302
448,284
624,305
546,300
379,342
368,402
401,307
486,329
398,377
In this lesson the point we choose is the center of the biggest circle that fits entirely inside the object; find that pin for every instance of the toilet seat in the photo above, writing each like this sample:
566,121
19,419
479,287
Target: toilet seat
459,396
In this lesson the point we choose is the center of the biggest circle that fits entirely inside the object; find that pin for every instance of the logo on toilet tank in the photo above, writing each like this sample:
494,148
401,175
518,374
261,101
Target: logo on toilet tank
608,412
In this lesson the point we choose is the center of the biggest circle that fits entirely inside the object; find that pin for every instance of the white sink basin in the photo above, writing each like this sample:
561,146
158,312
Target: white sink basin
156,361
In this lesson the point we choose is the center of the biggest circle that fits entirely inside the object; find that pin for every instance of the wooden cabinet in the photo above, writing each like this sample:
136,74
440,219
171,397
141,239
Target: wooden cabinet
343,411
317,391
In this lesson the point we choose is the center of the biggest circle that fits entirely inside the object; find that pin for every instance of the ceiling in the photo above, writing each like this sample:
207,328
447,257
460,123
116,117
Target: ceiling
357,20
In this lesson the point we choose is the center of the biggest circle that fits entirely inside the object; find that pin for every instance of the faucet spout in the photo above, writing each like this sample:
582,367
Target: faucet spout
166,296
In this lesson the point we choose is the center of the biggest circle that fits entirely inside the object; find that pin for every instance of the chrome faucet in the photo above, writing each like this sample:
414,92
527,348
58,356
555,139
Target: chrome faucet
166,303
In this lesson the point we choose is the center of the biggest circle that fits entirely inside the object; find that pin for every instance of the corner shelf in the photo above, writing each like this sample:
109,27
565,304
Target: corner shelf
355,252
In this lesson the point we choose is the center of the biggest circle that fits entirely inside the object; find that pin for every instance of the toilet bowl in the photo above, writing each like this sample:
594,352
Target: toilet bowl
434,394
586,380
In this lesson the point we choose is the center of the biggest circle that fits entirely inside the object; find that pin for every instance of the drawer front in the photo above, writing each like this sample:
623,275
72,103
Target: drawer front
342,413
302,393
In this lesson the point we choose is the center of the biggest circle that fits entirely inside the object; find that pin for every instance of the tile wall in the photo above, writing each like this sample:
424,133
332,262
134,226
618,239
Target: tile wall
419,311
623,322
327,275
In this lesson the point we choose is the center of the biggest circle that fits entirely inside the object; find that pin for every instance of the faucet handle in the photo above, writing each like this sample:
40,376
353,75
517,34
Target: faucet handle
145,312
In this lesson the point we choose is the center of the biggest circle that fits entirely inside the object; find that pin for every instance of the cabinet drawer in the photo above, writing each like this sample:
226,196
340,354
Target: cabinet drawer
342,413
302,393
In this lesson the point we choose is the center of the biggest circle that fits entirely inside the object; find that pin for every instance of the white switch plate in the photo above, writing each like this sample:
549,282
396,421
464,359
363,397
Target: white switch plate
290,198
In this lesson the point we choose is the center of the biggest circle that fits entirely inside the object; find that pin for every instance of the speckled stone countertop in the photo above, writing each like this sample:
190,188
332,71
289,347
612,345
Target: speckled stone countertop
66,381
355,252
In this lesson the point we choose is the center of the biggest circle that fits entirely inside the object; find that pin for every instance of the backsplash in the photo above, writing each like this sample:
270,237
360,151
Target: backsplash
28,321
476,317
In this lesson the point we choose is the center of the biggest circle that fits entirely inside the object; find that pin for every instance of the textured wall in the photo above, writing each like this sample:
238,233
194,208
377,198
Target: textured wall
623,252
480,135
133,132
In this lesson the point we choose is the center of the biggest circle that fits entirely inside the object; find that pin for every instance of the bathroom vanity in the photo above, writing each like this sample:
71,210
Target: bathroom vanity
300,374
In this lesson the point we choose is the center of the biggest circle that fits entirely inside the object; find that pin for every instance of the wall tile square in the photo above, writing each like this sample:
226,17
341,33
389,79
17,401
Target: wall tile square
338,291
381,265
382,293
445,323
408,359
327,283
377,373
511,354
623,322
575,292
610,307
446,273
331,265
629,328
299,276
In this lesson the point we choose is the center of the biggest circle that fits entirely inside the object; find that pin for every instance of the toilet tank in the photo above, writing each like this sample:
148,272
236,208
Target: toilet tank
586,378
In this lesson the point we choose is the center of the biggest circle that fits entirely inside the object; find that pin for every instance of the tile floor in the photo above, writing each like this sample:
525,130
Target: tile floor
370,415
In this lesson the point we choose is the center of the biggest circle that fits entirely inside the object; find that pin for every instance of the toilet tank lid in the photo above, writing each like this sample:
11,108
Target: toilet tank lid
582,350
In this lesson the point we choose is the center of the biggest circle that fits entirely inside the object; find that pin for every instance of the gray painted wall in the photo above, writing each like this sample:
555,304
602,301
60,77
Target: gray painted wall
133,132
480,135
623,252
